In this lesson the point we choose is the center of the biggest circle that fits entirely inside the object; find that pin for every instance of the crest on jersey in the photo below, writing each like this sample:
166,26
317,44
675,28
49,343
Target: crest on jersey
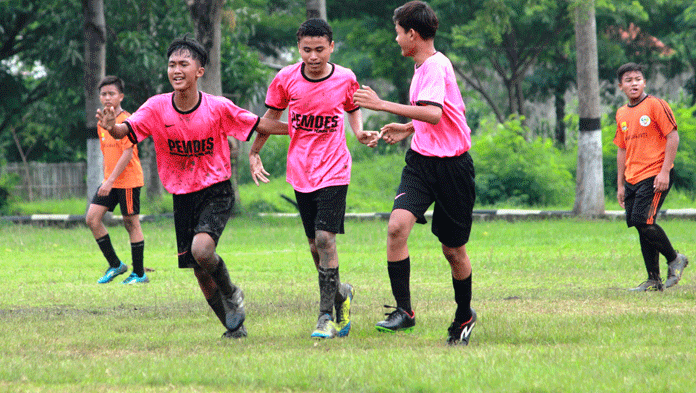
624,126
645,120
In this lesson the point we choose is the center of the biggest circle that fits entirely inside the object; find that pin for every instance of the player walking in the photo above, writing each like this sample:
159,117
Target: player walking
438,169
316,94
123,178
646,134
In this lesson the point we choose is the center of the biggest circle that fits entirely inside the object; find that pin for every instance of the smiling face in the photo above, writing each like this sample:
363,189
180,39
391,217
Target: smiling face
110,96
405,40
633,85
183,71
316,53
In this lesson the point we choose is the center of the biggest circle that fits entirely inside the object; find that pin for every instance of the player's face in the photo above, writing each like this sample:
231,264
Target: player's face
110,96
316,53
405,40
633,84
183,71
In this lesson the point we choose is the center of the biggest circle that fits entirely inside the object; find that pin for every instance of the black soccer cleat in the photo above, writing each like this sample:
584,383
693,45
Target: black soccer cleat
648,285
241,332
460,332
397,320
234,310
676,268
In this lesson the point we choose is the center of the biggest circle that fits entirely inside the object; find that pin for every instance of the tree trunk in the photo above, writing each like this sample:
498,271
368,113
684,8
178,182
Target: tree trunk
589,189
94,70
316,9
207,16
560,130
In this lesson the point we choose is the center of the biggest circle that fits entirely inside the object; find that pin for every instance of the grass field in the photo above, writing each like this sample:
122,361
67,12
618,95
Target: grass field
554,315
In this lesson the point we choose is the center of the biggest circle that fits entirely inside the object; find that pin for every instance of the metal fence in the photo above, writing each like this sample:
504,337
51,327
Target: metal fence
48,180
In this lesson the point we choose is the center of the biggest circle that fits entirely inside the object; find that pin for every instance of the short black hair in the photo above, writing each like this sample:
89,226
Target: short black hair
315,27
189,44
417,15
112,80
629,67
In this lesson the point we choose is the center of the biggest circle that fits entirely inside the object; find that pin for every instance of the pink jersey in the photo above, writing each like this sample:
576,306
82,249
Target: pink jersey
191,147
317,156
434,83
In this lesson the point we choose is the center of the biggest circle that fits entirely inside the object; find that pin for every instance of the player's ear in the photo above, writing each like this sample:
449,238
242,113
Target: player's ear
200,72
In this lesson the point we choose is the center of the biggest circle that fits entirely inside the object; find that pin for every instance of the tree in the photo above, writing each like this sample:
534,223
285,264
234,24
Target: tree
94,71
316,9
589,190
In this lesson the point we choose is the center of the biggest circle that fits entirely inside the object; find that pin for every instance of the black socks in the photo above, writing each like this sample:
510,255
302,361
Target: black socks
399,275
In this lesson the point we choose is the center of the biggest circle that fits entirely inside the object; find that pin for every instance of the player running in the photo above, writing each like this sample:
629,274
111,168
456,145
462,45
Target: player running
316,94
190,130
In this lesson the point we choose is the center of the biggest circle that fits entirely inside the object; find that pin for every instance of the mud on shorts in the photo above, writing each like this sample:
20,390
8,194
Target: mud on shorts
203,211
446,181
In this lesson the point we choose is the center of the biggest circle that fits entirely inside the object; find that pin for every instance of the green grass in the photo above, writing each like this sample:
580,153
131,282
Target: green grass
554,315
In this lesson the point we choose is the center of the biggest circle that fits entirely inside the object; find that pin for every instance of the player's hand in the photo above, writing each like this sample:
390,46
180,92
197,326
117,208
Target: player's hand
661,182
369,138
396,132
107,118
104,189
365,97
257,170
620,192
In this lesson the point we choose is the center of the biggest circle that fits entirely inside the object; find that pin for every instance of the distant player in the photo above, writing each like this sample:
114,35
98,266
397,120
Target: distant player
123,178
316,94
438,169
190,130
646,134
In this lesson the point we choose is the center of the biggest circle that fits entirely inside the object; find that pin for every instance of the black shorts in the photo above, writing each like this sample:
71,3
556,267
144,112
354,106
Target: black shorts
449,182
641,201
127,198
203,211
323,209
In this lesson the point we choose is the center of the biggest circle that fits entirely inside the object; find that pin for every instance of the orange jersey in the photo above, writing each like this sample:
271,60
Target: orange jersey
642,131
132,175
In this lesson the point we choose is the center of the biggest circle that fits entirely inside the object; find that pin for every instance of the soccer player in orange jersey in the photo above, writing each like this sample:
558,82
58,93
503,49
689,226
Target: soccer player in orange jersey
647,138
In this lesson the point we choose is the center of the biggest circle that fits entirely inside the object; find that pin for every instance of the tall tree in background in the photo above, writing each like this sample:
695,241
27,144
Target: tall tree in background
316,9
589,189
94,69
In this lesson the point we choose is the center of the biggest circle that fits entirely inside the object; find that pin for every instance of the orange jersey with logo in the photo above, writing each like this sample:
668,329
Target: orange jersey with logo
642,131
132,175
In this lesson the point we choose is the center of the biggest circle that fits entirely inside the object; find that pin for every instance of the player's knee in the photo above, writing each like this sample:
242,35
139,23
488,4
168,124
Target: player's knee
324,241
397,230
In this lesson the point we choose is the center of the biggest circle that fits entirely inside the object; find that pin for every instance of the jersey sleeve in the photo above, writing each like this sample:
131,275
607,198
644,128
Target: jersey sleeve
237,122
664,117
618,137
143,121
434,79
349,105
276,96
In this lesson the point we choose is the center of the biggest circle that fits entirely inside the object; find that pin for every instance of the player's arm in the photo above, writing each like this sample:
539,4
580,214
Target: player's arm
369,138
271,125
107,120
396,132
620,175
121,164
367,98
662,179
255,165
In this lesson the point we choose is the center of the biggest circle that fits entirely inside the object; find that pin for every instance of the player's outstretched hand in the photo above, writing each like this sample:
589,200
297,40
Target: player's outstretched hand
369,138
257,170
365,97
396,132
106,117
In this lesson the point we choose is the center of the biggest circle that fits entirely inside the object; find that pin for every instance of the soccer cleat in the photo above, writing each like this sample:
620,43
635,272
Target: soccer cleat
136,279
112,272
648,285
459,333
343,312
676,268
397,320
326,328
240,332
234,309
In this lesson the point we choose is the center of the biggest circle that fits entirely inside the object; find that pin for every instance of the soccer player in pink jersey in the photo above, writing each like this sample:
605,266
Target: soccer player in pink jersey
316,93
190,129
438,169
